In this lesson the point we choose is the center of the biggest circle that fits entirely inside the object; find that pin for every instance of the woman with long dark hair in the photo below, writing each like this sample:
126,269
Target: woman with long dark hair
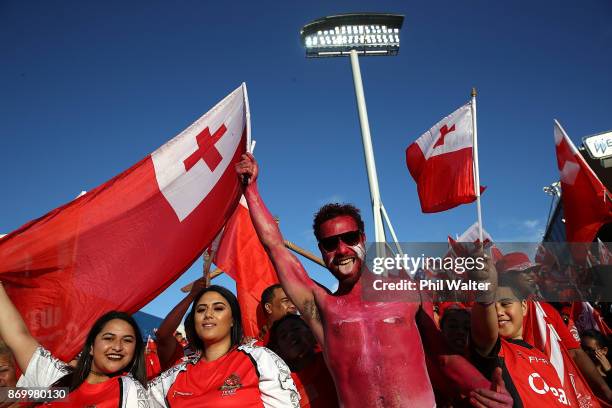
110,370
223,373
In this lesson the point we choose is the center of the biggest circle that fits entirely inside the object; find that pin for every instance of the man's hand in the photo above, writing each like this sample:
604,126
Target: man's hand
495,397
247,169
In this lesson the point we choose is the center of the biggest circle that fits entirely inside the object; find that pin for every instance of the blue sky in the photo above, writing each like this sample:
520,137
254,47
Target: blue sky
90,88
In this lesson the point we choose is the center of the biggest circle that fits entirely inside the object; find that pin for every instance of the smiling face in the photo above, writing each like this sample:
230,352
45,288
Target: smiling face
113,348
279,306
346,259
213,318
510,313
526,281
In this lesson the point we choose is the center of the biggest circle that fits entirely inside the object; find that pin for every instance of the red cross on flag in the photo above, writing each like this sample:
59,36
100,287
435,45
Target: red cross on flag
122,243
441,162
586,201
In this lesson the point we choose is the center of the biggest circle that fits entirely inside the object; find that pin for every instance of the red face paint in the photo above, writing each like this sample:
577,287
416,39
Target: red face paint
345,261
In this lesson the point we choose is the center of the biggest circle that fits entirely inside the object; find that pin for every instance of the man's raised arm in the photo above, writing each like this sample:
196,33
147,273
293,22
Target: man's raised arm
293,277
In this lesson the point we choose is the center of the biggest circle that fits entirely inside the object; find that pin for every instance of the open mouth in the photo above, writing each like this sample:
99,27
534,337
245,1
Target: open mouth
209,325
502,323
114,357
345,265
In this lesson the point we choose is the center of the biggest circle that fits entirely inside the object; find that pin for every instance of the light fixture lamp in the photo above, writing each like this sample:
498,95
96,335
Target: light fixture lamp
366,33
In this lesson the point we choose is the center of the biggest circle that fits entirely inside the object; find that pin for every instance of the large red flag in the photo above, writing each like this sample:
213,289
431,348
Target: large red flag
539,331
122,243
586,201
441,162
241,256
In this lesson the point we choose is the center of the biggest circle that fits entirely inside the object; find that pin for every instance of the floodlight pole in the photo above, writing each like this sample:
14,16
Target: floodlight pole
379,229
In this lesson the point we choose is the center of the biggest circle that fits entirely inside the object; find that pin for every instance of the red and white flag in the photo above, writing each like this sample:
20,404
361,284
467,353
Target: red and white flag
540,332
442,164
241,255
586,317
586,201
122,243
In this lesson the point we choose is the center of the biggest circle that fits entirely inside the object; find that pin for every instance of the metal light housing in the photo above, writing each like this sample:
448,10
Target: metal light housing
367,33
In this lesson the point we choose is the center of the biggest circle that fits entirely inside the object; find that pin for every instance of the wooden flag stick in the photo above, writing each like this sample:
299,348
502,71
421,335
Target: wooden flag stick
208,257
290,245
306,254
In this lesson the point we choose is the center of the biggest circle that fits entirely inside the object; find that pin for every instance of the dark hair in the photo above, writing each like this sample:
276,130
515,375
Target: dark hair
273,342
333,210
4,349
236,330
137,366
509,280
447,313
268,294
597,336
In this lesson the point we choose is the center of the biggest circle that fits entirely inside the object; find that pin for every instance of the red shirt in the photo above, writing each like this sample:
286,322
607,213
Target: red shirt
315,385
230,381
102,395
528,375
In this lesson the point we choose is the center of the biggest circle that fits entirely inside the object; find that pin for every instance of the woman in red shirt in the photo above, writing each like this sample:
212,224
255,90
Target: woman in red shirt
223,373
110,371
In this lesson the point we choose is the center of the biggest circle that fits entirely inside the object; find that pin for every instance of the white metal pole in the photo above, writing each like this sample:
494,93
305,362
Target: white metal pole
391,230
476,169
379,229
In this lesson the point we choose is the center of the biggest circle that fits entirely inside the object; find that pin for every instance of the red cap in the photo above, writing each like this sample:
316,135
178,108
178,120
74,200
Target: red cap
443,307
515,261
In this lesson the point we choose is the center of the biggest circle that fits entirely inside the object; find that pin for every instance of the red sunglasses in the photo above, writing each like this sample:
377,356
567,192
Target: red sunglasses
349,238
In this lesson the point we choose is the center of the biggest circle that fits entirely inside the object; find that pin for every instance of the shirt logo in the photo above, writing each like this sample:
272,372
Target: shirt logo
230,385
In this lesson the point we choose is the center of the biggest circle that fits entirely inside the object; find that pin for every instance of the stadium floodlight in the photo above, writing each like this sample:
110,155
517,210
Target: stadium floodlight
351,35
366,33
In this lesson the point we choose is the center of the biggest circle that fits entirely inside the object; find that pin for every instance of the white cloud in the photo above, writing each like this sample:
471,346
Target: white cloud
531,224
529,230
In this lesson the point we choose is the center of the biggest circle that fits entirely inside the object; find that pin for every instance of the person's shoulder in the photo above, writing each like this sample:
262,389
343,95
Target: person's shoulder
171,373
263,356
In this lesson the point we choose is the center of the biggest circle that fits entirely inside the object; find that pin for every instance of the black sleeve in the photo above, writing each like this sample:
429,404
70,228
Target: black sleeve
486,364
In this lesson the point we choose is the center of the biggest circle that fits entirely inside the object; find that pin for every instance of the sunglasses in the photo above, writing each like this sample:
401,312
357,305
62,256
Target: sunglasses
349,238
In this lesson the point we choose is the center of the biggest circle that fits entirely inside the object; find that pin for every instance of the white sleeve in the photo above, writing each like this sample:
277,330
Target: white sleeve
134,394
275,382
159,386
43,370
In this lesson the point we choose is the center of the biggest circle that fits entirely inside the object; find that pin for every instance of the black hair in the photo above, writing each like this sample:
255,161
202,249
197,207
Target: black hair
509,280
448,311
597,336
273,342
137,367
333,210
236,330
268,294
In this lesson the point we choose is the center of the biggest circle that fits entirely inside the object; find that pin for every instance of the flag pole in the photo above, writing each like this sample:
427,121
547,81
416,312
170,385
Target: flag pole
476,168
208,257
379,229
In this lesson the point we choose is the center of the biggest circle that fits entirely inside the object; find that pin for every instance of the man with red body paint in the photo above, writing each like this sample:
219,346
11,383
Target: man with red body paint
373,349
